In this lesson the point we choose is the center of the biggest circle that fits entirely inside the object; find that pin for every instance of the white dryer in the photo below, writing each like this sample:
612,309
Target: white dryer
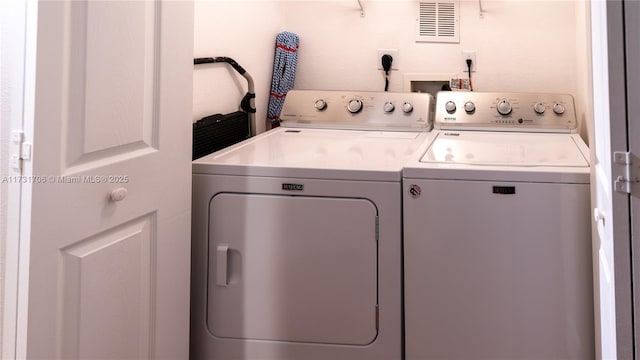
497,241
296,242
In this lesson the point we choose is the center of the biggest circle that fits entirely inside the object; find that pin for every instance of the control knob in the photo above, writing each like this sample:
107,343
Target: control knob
407,107
539,108
320,104
450,106
469,107
389,107
504,107
558,109
354,106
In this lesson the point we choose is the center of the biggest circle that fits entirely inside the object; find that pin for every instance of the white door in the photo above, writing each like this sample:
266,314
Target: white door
612,246
104,243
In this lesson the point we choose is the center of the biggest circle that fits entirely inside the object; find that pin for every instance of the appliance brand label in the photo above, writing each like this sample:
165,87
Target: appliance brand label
504,190
293,187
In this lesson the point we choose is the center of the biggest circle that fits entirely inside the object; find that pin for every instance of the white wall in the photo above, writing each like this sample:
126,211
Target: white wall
515,52
242,30
584,85
522,45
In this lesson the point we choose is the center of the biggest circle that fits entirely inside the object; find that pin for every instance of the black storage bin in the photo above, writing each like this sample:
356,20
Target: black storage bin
218,131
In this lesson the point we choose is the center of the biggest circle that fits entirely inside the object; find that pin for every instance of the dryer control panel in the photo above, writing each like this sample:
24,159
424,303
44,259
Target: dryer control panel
358,110
520,112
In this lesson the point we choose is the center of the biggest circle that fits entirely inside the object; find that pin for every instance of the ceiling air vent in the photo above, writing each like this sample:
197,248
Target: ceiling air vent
438,21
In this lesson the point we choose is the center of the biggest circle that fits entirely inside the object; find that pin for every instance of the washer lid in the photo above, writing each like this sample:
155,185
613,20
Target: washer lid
348,154
505,149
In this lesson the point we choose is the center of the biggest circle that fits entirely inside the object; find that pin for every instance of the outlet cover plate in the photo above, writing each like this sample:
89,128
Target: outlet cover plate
469,54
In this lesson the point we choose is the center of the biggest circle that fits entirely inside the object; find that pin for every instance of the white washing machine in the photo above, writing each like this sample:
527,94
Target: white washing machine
497,241
297,232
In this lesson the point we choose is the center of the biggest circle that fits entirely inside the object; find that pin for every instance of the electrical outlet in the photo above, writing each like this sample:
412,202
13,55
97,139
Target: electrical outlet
469,54
394,55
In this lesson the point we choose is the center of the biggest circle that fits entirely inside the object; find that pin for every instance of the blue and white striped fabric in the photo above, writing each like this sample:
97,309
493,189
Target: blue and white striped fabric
284,73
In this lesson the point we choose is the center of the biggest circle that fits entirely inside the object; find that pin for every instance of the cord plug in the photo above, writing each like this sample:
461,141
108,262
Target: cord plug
386,63
469,63
386,66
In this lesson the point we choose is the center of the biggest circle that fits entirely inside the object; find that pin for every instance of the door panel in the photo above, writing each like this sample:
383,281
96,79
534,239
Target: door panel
106,293
112,98
497,271
311,278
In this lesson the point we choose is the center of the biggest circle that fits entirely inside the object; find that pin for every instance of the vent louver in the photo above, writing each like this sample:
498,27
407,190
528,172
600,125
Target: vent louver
438,21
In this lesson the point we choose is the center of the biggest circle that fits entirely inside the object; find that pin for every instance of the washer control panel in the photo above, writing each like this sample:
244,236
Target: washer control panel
358,110
505,111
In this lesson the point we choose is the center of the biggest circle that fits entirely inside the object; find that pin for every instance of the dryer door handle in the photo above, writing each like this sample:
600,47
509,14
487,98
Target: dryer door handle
221,264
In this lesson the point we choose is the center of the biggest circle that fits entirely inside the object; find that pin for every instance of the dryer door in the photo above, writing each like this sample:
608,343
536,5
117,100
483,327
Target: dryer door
292,268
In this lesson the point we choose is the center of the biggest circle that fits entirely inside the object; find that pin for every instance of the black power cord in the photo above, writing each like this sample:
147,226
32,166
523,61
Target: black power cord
469,62
386,66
